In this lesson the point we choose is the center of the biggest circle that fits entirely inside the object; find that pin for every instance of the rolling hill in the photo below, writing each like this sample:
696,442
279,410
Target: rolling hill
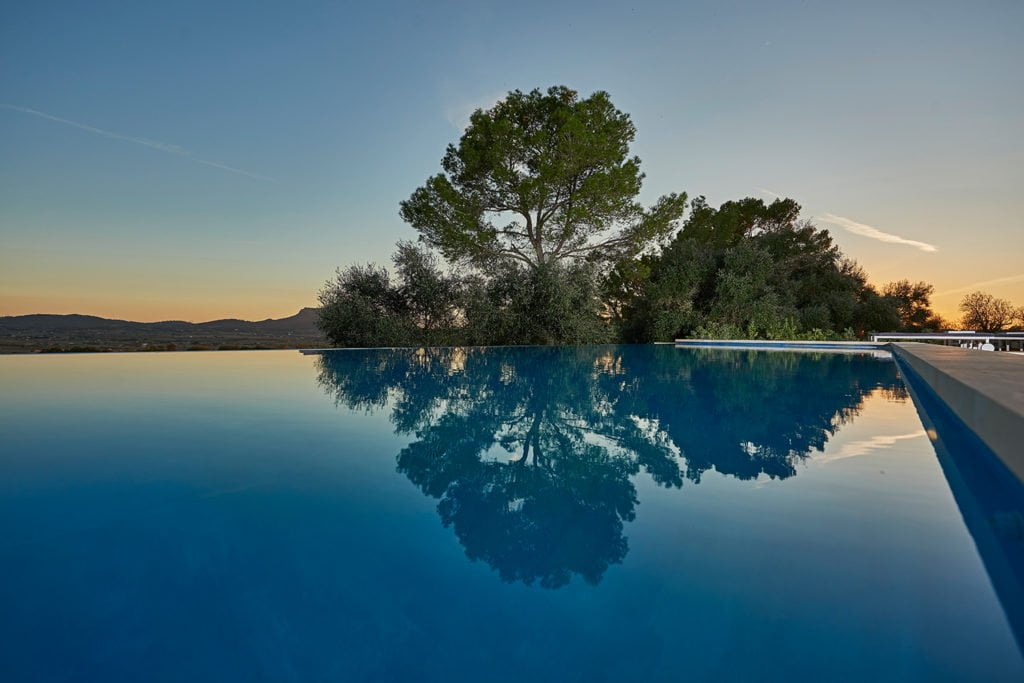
73,332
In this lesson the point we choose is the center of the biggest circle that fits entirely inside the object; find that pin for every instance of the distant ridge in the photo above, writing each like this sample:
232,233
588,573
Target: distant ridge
76,332
303,322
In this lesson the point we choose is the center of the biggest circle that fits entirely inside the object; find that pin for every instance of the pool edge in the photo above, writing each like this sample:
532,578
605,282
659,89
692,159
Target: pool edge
984,390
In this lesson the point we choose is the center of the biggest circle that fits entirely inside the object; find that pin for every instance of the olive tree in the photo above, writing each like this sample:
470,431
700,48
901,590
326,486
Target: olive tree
365,306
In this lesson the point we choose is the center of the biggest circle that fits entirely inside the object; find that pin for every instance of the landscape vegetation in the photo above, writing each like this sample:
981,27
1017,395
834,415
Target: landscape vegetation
532,234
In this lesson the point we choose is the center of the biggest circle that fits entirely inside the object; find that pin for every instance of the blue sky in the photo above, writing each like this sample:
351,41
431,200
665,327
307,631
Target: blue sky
221,159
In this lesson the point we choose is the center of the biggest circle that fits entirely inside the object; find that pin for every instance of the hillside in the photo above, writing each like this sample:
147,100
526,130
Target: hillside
54,333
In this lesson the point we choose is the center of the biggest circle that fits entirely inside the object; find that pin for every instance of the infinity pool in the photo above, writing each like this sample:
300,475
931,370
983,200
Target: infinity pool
511,514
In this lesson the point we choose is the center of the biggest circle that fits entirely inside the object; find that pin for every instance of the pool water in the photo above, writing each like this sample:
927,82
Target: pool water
542,514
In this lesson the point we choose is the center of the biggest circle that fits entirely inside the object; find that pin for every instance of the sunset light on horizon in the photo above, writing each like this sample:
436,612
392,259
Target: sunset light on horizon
198,162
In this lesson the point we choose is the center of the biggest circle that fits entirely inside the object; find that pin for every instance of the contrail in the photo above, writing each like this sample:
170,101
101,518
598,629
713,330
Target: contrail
983,283
153,144
874,233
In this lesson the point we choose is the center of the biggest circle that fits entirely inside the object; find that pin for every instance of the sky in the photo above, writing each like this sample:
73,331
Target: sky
199,160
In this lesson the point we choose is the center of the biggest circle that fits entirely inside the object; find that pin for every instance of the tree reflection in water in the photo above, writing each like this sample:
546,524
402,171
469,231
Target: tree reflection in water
532,451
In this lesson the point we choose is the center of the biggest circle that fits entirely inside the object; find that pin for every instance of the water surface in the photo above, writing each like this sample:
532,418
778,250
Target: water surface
596,513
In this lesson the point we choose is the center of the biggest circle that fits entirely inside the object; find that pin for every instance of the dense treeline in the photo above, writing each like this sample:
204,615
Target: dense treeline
753,270
532,234
745,270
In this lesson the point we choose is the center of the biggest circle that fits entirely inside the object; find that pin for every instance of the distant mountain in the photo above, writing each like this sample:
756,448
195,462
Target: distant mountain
303,322
61,332
46,322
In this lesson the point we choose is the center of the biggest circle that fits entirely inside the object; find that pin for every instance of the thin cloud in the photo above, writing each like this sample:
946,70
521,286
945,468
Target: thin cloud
983,283
874,233
769,193
145,142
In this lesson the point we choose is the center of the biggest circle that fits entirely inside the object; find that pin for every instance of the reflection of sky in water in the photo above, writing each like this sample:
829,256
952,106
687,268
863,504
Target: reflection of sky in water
218,517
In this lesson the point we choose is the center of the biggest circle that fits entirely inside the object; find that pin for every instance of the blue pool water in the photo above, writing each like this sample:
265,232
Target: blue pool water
538,514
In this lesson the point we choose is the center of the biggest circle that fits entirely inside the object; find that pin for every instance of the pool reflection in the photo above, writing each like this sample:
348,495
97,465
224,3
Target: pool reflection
532,453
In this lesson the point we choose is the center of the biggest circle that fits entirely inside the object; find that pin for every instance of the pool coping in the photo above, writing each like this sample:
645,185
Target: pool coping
983,389
762,344
990,497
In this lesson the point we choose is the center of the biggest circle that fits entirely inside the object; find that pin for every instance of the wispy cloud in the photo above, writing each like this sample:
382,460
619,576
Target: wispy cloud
769,193
145,142
874,233
984,283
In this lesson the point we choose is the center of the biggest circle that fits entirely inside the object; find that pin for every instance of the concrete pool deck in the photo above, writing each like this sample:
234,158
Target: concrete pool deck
984,389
